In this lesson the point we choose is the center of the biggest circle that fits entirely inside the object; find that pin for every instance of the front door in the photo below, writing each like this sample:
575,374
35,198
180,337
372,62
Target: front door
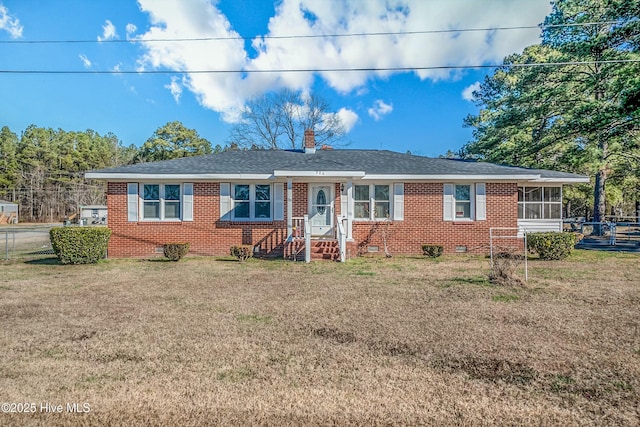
321,210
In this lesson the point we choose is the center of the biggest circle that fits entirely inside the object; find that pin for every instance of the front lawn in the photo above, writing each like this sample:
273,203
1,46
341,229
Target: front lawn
373,341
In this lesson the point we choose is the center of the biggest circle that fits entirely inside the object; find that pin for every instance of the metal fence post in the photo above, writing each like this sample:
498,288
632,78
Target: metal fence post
612,233
526,266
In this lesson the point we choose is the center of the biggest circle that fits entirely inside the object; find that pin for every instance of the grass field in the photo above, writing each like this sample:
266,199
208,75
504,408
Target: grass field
403,341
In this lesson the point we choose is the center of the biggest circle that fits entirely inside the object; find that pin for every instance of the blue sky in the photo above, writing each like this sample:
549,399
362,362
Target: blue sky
421,111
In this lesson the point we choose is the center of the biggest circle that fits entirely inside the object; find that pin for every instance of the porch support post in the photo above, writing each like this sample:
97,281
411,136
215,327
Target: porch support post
289,207
349,208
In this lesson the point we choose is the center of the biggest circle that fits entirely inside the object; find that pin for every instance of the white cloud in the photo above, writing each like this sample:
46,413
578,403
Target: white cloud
379,109
85,61
175,88
227,92
224,93
348,117
131,29
108,31
467,93
10,23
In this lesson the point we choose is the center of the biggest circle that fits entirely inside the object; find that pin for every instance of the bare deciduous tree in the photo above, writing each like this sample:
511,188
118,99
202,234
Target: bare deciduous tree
278,121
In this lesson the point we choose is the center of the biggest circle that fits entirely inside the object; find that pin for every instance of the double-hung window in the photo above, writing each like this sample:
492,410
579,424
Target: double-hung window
361,202
161,201
151,203
241,201
262,208
378,196
539,202
463,201
172,201
252,201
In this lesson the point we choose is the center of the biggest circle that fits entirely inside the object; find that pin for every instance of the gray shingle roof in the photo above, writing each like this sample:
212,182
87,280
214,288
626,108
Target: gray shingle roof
371,162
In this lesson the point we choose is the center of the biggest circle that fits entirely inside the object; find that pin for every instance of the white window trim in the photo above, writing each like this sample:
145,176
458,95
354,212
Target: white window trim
252,202
372,201
162,202
523,203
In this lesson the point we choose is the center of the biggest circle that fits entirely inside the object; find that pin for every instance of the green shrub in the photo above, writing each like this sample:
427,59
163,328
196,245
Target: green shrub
242,252
80,245
432,251
551,246
175,251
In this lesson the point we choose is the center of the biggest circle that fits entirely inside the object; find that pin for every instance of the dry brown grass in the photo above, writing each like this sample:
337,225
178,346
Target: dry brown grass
403,341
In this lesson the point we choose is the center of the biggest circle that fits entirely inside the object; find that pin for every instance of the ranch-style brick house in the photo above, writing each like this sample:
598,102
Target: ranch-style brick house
323,202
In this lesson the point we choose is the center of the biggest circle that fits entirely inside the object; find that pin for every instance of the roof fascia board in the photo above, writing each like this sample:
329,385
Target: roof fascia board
319,174
181,177
331,174
579,180
440,178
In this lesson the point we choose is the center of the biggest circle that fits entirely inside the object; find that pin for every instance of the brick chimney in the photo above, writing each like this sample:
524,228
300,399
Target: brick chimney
309,141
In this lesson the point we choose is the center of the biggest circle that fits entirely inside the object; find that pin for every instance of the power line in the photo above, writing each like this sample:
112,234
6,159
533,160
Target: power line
311,36
326,70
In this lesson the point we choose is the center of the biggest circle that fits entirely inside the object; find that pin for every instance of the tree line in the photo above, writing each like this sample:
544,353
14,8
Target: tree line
43,169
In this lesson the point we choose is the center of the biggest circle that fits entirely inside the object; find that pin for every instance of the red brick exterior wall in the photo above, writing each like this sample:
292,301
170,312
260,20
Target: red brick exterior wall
207,235
300,199
423,222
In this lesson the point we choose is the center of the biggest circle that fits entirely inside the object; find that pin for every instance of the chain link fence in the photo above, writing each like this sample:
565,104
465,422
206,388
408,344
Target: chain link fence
19,242
610,235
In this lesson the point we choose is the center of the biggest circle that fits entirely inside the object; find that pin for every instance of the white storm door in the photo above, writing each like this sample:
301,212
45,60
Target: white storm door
321,210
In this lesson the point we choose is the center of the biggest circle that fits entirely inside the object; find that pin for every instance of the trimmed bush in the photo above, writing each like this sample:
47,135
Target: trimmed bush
551,246
432,251
242,252
175,251
80,245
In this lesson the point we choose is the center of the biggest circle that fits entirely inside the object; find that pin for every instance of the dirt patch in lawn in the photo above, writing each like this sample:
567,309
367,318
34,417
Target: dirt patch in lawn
374,341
